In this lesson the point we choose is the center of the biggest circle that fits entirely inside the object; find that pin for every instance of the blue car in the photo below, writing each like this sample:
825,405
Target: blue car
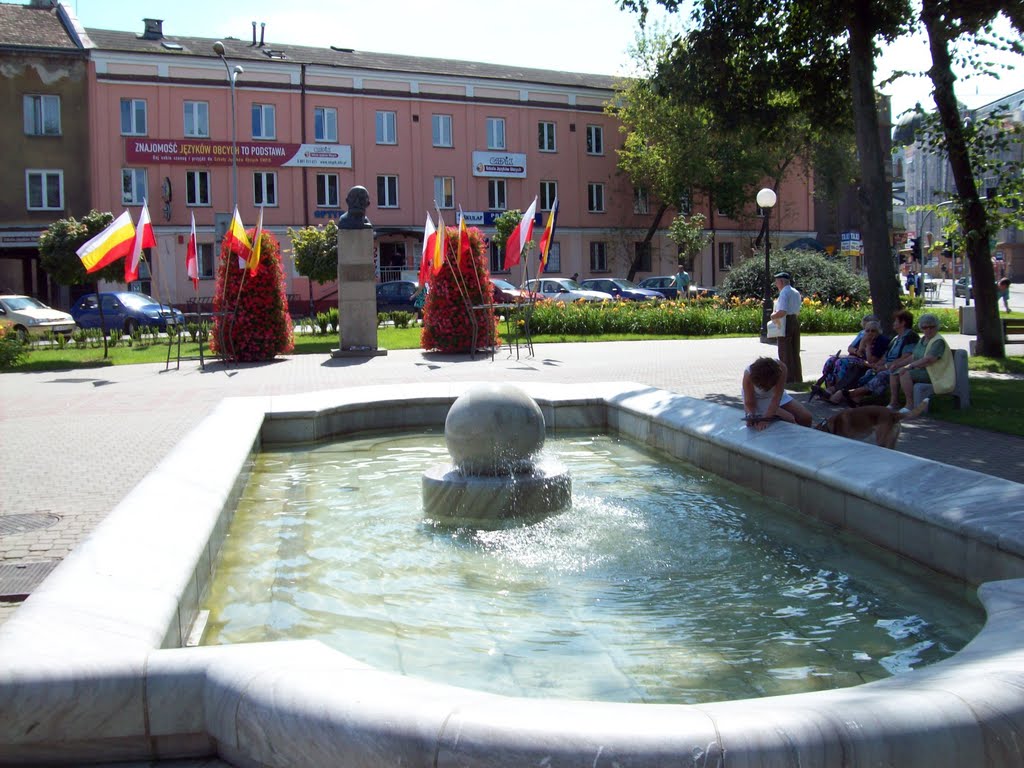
396,296
124,311
620,288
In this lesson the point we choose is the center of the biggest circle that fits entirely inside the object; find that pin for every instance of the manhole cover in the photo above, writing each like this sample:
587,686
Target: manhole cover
33,521
18,581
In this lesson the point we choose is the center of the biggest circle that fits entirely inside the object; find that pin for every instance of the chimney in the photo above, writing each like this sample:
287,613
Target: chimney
263,26
43,4
154,29
254,33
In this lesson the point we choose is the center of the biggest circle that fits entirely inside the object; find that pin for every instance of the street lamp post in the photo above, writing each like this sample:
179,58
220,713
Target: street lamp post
766,199
218,48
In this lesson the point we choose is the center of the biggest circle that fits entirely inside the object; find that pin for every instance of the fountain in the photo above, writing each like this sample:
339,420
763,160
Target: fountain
493,433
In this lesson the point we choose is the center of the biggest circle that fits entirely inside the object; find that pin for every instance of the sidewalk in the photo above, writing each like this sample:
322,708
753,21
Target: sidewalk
75,442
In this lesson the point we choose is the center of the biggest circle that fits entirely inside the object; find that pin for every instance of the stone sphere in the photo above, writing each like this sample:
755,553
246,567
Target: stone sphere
494,429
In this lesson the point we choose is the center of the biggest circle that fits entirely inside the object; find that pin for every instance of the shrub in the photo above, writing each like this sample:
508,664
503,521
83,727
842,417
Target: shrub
402,319
813,275
261,327
12,348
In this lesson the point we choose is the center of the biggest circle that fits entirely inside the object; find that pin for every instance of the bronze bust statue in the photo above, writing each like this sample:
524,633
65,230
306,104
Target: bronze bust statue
357,200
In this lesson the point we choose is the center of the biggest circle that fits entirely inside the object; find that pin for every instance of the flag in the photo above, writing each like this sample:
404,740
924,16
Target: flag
238,240
520,236
548,236
144,238
439,245
257,244
429,236
109,245
464,247
192,256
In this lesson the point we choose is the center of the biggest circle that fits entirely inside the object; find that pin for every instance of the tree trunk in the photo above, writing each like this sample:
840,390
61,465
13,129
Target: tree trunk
634,266
874,196
975,220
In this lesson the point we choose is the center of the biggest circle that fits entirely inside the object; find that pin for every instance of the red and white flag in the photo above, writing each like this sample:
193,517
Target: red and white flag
144,238
429,236
192,256
520,236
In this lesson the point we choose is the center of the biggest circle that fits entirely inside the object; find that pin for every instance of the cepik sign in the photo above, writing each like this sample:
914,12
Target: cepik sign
145,151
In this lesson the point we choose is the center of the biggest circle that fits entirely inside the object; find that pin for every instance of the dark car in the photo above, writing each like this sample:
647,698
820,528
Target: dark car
620,288
124,311
663,284
396,296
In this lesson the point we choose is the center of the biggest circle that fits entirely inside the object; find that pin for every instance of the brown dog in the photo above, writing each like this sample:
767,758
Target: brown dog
858,423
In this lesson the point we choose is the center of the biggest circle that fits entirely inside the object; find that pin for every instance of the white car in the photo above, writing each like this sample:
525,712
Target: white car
564,289
31,318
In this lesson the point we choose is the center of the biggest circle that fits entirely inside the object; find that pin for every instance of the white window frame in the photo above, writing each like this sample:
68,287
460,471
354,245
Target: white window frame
387,188
595,139
444,191
641,202
264,189
205,260
441,129
497,195
554,258
595,197
196,118
546,136
46,177
726,256
40,110
325,125
194,197
134,184
496,133
264,122
387,127
548,194
137,113
598,256
328,190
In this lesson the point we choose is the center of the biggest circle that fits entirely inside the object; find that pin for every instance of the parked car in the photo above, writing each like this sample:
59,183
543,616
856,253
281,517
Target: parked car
396,296
125,311
620,288
663,284
962,286
506,293
564,289
31,318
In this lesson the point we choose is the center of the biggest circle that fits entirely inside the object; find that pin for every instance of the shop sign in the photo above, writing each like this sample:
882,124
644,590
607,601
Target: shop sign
499,164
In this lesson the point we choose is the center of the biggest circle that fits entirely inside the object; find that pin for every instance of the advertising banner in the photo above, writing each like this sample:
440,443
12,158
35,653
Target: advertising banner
500,164
146,151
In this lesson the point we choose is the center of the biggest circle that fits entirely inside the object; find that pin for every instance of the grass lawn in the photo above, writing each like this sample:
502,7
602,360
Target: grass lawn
995,405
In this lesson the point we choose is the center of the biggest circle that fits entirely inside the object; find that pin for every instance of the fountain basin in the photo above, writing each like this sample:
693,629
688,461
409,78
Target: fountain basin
94,667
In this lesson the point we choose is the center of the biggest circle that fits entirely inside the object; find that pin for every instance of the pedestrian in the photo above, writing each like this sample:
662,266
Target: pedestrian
682,282
1003,292
575,276
787,310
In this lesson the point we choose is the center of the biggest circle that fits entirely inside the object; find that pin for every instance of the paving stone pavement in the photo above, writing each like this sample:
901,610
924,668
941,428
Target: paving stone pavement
75,442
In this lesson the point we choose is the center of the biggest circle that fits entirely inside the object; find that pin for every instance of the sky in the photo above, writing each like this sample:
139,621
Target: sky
591,36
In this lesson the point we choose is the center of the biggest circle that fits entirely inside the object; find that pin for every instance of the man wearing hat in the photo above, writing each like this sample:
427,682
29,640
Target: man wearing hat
787,306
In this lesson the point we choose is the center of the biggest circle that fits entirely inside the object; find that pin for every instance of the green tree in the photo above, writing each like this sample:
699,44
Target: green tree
316,254
59,243
690,236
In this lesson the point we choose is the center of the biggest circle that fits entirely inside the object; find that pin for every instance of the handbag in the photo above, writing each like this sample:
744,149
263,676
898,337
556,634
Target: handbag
776,328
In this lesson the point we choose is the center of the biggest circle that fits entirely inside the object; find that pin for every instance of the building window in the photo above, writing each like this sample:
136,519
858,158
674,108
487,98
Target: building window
725,214
386,128
724,256
204,257
327,190
548,193
595,197
442,127
496,199
133,117
42,115
598,257
197,187
44,190
264,188
133,186
640,203
497,259
642,254
197,118
546,136
263,121
495,132
685,206
554,259
387,190
444,191
325,124
595,140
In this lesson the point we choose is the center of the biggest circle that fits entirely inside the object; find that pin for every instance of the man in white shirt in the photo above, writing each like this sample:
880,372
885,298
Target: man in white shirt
787,305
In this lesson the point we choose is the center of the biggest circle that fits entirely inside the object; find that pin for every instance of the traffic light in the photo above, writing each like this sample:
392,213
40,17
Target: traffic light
915,248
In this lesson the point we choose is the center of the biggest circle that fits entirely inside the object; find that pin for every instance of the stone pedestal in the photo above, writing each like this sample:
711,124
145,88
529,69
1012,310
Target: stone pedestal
357,295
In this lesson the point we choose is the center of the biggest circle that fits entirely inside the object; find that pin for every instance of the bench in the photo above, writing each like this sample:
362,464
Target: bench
1013,326
962,390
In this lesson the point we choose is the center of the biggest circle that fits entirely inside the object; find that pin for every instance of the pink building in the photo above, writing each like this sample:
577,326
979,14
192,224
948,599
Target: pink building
311,123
